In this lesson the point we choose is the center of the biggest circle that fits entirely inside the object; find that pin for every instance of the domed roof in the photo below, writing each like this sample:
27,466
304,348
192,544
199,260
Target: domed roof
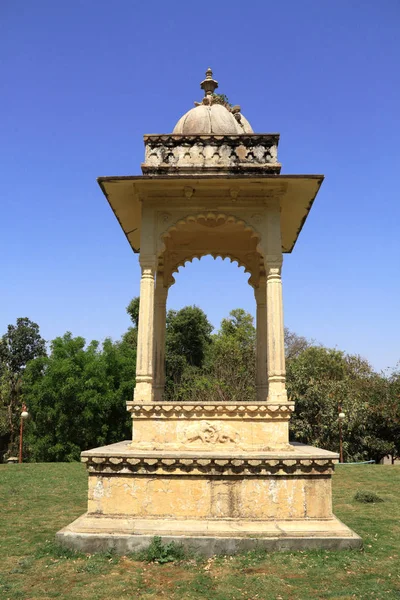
212,115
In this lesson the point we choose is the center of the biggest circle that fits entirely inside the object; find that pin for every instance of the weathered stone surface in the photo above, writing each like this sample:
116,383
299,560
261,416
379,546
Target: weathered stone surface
296,459
249,426
213,119
251,153
92,534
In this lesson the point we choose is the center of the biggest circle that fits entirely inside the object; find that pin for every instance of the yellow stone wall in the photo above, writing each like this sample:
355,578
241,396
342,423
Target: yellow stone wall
210,434
266,498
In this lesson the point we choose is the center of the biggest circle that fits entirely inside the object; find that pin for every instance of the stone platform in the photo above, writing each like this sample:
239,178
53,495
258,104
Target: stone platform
92,533
219,501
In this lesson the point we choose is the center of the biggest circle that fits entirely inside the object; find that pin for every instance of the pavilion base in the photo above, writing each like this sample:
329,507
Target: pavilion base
97,533
223,501
124,535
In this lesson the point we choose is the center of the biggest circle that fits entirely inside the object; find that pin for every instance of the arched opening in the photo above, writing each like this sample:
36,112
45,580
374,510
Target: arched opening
218,285
217,234
221,235
210,333
235,366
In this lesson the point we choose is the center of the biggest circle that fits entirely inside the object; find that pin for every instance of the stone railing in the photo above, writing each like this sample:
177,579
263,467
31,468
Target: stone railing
211,154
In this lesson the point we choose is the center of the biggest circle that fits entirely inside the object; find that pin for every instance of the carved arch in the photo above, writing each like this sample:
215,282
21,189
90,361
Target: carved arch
211,219
171,257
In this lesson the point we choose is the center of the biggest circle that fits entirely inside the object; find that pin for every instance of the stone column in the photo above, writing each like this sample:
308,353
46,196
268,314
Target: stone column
261,354
160,313
275,332
144,361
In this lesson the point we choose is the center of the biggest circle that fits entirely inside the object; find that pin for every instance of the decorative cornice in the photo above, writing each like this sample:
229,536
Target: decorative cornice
209,466
209,411
216,170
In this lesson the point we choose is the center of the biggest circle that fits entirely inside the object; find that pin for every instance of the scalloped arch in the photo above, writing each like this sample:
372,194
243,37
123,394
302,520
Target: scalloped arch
190,258
212,219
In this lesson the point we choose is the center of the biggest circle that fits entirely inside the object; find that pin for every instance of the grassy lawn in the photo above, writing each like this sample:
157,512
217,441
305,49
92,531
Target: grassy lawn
38,499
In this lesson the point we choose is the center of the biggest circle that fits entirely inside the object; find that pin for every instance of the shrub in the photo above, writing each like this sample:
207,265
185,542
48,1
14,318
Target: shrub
367,497
162,553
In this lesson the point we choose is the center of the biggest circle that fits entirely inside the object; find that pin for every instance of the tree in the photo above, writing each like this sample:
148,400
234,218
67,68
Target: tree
315,381
383,417
227,370
133,311
21,344
77,397
232,359
294,344
188,336
240,327
130,336
320,380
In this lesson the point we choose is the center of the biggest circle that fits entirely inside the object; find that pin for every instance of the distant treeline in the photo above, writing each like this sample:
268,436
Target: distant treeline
76,392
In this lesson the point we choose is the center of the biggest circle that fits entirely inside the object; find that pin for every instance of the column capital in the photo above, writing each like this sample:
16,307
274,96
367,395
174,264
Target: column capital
273,267
273,261
148,262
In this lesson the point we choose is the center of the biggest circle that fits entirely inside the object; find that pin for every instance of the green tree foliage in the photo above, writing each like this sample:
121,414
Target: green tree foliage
320,380
77,397
130,336
225,371
231,361
77,394
294,344
383,417
21,344
188,334
188,337
133,311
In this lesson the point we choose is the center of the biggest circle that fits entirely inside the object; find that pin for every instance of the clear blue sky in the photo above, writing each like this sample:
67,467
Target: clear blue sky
82,81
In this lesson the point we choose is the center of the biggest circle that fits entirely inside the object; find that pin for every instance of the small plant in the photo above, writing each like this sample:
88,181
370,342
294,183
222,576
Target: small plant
55,550
221,99
162,553
367,497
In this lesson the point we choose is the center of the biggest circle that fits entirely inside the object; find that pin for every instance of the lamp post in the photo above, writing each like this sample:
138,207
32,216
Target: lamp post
341,417
24,415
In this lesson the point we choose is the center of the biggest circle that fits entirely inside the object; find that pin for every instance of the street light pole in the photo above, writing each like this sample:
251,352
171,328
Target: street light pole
24,415
341,417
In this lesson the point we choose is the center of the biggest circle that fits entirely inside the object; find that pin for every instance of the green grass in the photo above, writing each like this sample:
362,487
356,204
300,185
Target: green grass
38,499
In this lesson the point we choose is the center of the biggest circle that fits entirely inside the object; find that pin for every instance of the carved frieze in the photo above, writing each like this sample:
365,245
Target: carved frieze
209,433
212,466
209,411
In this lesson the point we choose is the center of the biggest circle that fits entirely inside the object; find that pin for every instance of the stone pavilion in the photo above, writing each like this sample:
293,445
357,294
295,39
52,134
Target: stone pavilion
217,477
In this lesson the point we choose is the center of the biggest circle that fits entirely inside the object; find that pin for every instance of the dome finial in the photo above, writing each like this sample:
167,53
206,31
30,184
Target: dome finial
209,84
